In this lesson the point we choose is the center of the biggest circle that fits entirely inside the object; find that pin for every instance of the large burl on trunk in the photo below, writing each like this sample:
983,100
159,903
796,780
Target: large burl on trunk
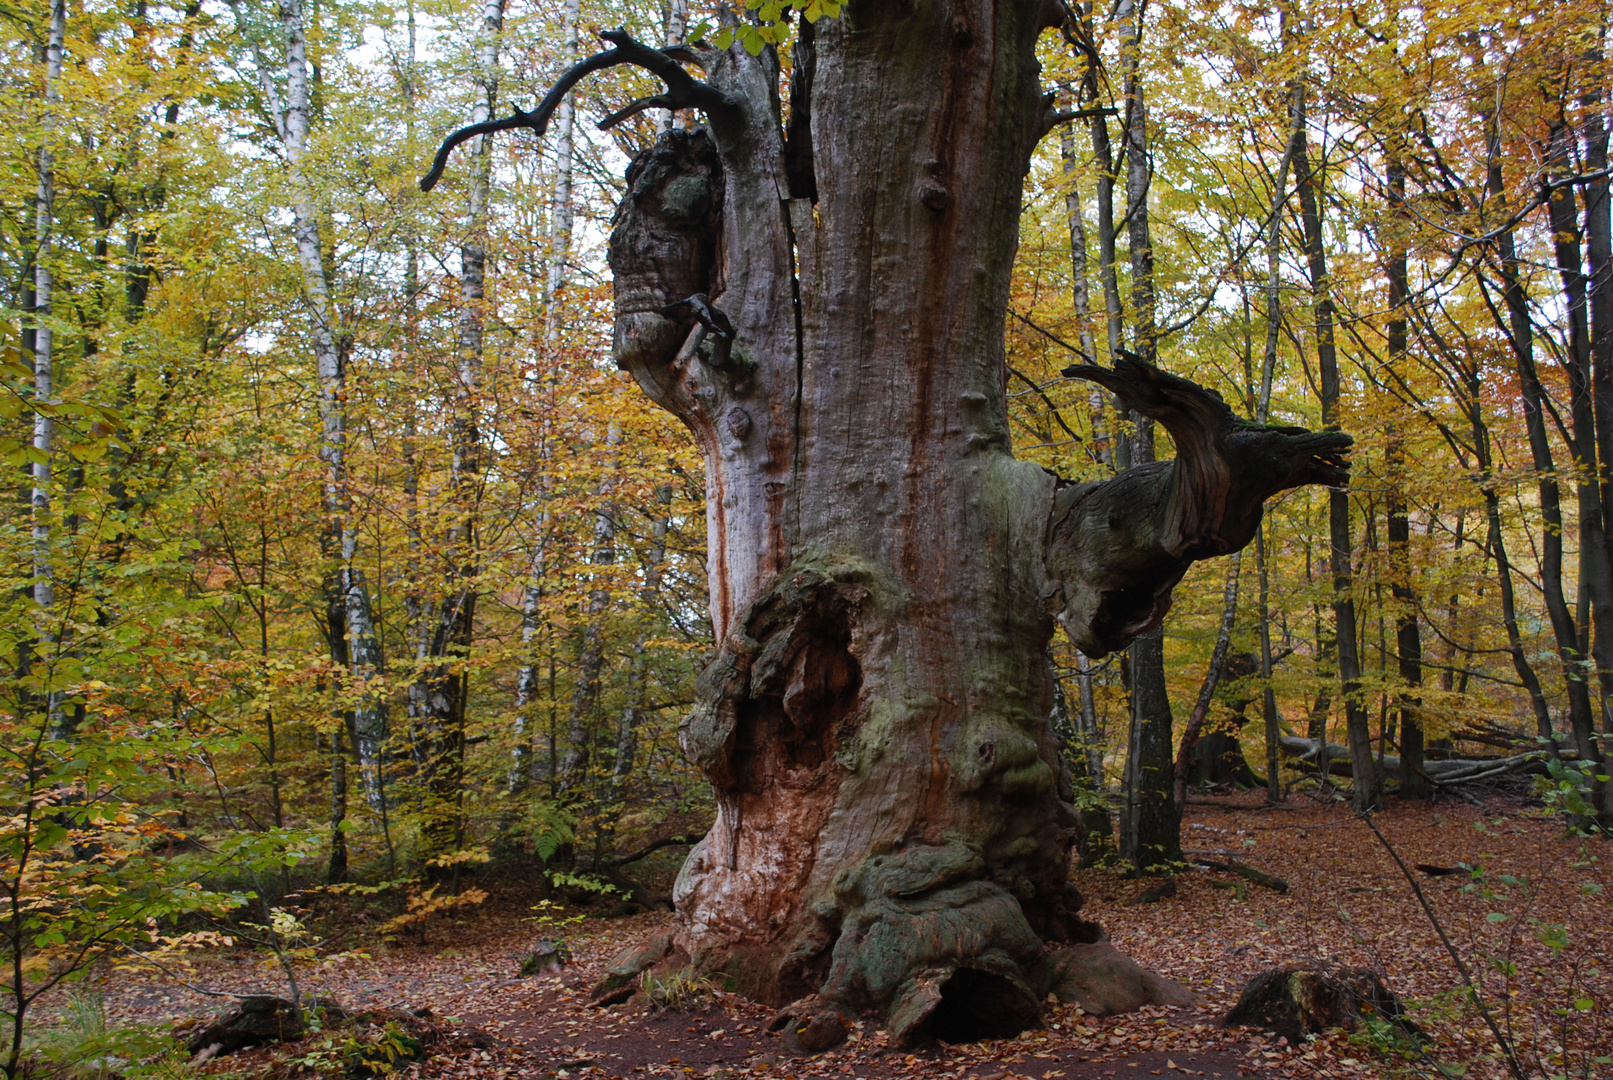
823,306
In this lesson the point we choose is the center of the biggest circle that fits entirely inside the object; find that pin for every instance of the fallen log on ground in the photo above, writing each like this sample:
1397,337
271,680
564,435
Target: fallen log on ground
1248,873
258,1019
1444,773
378,1041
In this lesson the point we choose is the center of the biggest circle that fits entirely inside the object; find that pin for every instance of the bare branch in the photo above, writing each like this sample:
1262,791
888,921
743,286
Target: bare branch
684,91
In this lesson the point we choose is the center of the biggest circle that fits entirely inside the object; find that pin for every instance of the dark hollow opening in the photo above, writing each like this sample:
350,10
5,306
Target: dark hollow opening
977,1005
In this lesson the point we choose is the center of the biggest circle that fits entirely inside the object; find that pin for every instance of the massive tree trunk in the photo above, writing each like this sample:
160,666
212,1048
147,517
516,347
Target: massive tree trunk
893,827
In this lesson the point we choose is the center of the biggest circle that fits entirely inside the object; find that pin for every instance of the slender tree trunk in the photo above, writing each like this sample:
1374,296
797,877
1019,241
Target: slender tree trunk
1367,790
1150,823
529,677
1268,695
1212,677
591,646
442,686
349,626
1098,841
336,868
1469,378
1599,249
677,28
1108,276
632,713
1518,327
561,211
1081,293
44,441
1596,571
1414,784
1268,374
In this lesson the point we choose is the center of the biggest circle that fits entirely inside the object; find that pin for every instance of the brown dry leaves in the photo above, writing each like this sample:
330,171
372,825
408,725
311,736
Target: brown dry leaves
1531,933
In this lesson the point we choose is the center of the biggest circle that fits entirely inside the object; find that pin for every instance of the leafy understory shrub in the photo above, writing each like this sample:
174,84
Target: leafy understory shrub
425,905
381,1051
81,1045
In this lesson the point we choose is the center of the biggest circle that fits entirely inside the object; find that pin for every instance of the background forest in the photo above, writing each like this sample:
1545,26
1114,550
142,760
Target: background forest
337,551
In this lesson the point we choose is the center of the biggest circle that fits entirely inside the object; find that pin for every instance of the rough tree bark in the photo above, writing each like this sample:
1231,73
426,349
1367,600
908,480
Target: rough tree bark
893,827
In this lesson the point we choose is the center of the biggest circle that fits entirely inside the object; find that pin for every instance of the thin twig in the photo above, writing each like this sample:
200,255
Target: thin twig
173,976
1513,1065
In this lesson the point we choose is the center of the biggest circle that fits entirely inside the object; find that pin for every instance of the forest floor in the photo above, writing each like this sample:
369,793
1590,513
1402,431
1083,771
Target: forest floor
1531,925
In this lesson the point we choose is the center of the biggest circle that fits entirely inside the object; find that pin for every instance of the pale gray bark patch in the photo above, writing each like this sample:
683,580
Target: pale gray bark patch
562,211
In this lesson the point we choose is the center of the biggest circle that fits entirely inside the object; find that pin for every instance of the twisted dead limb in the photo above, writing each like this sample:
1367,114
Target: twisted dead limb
1121,546
683,91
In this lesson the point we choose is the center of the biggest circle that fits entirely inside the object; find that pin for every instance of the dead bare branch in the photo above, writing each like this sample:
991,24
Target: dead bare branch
684,91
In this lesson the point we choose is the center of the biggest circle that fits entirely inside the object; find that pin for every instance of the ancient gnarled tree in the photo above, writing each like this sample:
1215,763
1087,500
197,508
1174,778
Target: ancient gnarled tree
822,304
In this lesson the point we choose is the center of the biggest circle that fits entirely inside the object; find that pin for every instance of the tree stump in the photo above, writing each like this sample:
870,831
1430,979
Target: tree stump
545,958
255,1020
1298,1000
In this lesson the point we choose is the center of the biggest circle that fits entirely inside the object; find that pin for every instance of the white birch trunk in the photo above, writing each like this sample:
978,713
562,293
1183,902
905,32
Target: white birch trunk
560,223
677,30
44,441
352,626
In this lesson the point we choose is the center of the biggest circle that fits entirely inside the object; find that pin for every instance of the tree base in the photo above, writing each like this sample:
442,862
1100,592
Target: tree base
954,974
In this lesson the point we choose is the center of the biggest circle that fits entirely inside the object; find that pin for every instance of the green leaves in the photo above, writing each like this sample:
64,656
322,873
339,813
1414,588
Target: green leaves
771,26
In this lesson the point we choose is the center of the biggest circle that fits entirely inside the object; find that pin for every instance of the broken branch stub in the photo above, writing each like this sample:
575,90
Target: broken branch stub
1120,547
